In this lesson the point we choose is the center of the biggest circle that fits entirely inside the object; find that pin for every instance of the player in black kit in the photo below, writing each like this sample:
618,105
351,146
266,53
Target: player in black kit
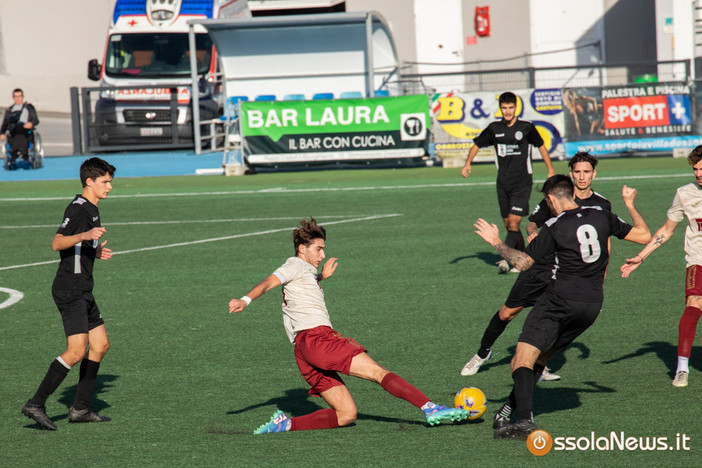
531,284
511,138
77,240
578,236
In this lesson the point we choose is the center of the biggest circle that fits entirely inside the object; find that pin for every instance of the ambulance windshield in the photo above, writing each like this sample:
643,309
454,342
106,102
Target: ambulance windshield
155,55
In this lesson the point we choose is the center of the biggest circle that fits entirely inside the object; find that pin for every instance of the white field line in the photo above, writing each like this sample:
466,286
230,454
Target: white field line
331,189
15,297
213,239
187,221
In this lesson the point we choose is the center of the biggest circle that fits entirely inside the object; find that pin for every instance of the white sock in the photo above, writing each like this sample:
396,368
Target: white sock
683,364
63,363
428,405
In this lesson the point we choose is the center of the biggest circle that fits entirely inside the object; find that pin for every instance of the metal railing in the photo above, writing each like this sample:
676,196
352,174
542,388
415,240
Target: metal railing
128,118
550,77
102,123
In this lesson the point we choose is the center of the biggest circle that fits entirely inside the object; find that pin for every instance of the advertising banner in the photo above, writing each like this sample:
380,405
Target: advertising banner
458,118
643,118
334,130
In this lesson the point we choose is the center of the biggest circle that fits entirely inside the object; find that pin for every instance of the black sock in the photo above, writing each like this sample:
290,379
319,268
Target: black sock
524,392
53,378
515,239
492,333
505,411
538,370
86,384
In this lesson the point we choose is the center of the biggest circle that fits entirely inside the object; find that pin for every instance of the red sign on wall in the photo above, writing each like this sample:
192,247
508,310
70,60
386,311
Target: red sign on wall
482,21
636,112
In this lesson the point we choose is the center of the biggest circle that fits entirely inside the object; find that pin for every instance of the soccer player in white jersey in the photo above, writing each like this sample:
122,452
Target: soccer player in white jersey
687,203
320,351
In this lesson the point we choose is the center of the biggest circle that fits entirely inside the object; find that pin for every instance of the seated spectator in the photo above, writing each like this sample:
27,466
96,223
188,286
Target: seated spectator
20,118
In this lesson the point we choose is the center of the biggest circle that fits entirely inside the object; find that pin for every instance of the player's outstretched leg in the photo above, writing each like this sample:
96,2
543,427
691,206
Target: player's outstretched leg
279,422
492,332
437,413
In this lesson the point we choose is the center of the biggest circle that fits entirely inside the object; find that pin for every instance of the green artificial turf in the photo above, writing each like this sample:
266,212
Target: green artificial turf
186,383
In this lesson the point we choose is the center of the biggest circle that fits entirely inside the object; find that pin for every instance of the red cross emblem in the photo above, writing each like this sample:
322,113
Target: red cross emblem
132,23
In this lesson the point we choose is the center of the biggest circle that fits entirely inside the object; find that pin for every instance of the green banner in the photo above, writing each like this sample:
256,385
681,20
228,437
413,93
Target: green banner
334,130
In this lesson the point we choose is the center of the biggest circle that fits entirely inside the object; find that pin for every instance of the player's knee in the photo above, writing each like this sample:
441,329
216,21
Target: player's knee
346,416
694,301
73,355
521,361
507,314
100,348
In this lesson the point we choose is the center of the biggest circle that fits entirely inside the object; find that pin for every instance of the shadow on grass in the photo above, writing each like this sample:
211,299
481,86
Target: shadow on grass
489,258
293,403
554,399
555,363
104,384
667,353
68,395
296,402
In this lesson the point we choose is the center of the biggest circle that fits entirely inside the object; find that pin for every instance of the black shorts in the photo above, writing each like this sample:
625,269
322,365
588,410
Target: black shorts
514,199
529,286
555,322
79,312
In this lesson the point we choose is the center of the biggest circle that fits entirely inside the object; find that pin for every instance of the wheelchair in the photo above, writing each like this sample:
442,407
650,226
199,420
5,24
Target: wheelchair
34,156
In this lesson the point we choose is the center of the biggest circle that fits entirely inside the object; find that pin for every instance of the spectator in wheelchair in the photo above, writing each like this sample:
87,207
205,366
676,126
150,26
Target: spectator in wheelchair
17,124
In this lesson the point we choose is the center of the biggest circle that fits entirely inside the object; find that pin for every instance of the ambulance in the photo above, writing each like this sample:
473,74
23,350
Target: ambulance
146,56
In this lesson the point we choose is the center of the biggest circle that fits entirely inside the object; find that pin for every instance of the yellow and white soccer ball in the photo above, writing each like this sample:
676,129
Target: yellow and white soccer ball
473,400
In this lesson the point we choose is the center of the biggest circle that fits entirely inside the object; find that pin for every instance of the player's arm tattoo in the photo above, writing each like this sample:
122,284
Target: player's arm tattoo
659,240
516,258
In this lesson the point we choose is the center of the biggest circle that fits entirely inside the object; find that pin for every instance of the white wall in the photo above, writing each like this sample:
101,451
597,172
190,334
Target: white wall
563,24
439,34
684,34
45,46
399,15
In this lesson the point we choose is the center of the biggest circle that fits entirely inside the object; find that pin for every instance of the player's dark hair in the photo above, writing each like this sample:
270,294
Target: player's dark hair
17,90
695,156
507,97
560,186
93,168
306,232
582,156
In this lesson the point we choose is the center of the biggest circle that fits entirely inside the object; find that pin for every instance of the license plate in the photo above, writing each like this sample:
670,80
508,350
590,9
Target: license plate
151,131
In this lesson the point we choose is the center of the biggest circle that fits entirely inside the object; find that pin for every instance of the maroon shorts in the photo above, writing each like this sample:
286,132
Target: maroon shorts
693,281
321,353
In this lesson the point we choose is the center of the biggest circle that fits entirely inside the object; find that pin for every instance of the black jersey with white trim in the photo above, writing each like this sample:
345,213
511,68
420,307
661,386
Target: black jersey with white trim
75,270
512,149
579,239
542,213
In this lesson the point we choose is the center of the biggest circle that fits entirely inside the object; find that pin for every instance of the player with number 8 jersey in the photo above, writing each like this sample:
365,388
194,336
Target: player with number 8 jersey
578,238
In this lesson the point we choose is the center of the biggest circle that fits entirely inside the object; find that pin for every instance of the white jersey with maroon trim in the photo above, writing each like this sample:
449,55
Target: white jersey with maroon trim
688,203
